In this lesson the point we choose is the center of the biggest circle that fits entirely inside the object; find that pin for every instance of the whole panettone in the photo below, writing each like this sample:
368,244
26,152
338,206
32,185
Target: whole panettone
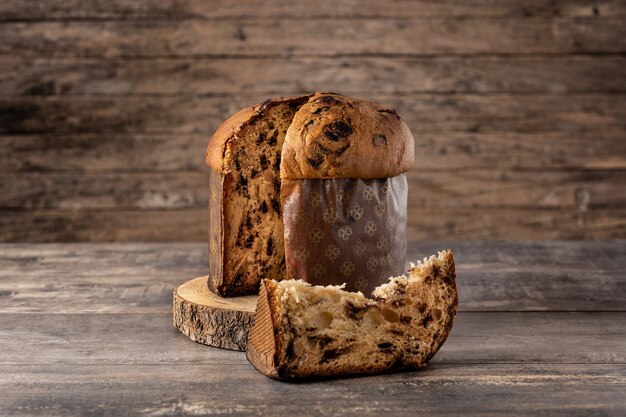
309,187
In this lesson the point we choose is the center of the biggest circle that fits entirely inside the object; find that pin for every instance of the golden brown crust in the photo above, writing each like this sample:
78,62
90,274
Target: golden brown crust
262,350
333,136
228,130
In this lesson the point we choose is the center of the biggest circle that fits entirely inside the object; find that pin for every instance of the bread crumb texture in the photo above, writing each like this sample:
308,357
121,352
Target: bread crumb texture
323,331
252,152
251,214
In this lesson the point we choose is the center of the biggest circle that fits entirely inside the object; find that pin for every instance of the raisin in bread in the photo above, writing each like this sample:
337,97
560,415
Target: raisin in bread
246,231
303,331
318,136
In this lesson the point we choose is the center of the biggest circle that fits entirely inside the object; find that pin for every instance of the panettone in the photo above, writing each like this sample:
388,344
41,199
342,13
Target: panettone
309,187
304,331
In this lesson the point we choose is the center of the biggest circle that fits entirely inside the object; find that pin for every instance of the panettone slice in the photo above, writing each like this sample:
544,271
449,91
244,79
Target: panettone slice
305,331
246,229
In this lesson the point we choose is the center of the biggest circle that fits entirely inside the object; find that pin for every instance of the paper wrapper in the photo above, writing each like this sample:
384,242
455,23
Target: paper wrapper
344,230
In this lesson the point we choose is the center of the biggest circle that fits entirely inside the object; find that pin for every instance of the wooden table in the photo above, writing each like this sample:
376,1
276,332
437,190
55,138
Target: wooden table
86,329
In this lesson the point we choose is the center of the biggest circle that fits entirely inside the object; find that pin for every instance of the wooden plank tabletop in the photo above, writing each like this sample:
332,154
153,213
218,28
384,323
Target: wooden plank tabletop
85,329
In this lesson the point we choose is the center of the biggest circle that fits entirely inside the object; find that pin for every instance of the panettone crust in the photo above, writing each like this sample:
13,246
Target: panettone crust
229,129
333,136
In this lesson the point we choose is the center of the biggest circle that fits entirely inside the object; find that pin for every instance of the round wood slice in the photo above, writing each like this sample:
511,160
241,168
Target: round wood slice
210,319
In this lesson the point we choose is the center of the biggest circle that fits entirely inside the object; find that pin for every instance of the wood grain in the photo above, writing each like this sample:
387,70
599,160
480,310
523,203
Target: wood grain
502,223
352,75
110,152
174,190
30,10
113,357
422,112
497,337
443,151
469,390
104,226
132,90
320,37
210,319
190,225
138,278
493,189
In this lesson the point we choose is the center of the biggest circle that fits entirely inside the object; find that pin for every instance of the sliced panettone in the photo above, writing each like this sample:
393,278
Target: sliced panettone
324,154
246,233
303,331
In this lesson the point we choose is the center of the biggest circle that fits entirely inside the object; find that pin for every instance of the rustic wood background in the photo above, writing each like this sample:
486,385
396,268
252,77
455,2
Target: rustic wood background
518,107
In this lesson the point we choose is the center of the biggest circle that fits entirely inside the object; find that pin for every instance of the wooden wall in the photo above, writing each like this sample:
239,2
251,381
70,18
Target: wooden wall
518,108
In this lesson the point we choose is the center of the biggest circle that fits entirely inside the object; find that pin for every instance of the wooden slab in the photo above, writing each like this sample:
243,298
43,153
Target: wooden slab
276,37
138,278
168,10
85,330
210,319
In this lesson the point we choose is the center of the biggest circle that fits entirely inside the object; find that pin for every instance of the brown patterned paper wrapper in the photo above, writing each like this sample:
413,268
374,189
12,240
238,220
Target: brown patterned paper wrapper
345,230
